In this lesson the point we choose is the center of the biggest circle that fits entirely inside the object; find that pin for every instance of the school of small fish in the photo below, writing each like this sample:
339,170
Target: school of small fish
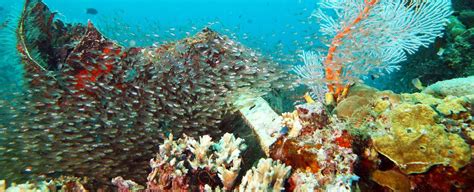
102,109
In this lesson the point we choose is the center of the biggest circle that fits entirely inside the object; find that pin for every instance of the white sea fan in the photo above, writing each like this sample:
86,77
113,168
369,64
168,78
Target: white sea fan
311,74
381,39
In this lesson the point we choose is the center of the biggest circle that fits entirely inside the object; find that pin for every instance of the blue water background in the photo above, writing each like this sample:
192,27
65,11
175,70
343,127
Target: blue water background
279,29
272,26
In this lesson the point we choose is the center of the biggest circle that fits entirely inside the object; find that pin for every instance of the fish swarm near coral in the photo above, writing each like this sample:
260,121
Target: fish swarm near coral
93,108
61,184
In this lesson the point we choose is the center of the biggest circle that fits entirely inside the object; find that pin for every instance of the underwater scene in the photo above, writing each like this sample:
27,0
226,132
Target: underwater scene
236,95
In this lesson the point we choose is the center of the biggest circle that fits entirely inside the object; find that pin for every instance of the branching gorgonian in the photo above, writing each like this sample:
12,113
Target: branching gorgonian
370,36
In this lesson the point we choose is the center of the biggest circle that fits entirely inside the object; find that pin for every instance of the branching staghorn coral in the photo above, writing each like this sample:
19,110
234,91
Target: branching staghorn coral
370,36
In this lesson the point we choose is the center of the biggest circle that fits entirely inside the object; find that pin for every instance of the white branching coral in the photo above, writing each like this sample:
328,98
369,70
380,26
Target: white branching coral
168,168
223,156
29,187
269,175
228,159
182,161
201,151
371,36
63,183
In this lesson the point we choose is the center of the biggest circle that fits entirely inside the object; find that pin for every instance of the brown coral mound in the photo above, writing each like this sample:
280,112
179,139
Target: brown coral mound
93,108
392,179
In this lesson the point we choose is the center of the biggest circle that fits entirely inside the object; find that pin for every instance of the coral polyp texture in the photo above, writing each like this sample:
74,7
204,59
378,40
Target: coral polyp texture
269,175
319,149
416,142
60,184
94,108
371,36
411,138
187,164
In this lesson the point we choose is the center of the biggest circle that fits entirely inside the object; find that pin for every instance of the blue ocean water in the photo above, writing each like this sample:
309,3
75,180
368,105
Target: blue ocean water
279,29
267,25
107,106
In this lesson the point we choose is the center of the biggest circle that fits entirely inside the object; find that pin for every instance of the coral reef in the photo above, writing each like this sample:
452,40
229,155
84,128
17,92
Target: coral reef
269,175
189,164
451,56
454,87
392,179
30,187
458,53
304,181
362,39
61,184
94,108
404,139
416,142
459,50
318,147
126,185
186,164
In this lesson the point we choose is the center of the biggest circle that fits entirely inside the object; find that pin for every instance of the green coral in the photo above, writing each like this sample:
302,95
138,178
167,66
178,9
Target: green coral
420,98
452,105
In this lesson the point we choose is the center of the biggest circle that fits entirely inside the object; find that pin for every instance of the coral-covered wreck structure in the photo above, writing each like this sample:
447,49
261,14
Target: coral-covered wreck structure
94,115
90,106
